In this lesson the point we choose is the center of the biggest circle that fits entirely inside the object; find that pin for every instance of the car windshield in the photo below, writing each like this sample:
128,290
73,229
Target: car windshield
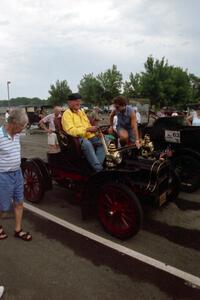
171,121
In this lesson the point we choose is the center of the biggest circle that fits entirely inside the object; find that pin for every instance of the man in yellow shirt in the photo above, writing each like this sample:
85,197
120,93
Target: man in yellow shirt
76,123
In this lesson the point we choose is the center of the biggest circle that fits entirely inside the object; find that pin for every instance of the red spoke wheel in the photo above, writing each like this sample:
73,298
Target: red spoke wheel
34,187
119,210
45,173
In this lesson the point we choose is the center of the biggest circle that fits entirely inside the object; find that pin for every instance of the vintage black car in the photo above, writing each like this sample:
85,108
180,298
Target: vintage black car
36,113
182,145
115,194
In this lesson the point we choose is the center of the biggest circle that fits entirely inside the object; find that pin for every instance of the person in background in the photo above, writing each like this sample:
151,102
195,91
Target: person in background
11,179
47,123
94,116
127,129
1,290
76,123
138,118
194,119
161,113
115,123
7,115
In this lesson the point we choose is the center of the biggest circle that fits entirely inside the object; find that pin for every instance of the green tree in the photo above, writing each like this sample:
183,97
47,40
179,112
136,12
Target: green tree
111,82
91,89
195,84
59,92
163,84
132,88
22,101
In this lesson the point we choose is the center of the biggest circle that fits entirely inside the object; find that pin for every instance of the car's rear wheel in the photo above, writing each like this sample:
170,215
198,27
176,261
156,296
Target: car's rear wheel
34,187
45,173
119,210
188,169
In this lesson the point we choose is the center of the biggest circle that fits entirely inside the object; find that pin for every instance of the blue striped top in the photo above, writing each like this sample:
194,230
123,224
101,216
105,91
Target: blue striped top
10,151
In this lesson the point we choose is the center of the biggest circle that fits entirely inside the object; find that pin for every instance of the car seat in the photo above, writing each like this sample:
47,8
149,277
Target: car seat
69,145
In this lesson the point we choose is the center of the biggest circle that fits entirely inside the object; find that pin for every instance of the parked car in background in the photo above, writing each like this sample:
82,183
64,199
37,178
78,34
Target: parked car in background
182,144
36,113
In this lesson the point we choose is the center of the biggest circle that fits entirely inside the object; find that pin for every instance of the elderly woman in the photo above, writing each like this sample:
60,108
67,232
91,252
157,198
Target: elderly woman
11,179
194,119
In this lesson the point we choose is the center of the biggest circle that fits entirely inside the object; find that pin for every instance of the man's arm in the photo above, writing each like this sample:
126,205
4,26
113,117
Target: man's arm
42,124
189,120
113,113
69,126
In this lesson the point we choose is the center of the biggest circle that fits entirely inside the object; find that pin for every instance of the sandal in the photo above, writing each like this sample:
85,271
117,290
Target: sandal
3,235
23,235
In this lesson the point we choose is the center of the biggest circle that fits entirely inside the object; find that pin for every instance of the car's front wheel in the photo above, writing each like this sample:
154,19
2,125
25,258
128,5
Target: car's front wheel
119,210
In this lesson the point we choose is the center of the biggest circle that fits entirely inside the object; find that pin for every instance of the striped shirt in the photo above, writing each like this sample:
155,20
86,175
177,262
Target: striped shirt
10,151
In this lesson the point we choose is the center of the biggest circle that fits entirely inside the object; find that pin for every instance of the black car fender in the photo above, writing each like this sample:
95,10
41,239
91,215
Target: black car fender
186,151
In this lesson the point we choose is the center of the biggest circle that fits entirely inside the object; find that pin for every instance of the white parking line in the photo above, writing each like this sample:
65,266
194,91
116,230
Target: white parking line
194,280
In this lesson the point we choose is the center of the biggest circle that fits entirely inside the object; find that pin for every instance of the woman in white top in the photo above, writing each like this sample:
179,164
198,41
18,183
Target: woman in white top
1,290
194,119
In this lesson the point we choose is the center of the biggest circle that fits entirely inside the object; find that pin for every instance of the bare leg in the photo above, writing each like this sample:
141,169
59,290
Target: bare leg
18,210
54,148
19,233
123,137
3,235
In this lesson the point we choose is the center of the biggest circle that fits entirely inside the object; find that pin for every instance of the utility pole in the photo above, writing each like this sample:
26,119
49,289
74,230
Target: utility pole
8,90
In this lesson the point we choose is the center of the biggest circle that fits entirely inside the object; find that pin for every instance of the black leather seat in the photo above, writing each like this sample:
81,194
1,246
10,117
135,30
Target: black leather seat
69,145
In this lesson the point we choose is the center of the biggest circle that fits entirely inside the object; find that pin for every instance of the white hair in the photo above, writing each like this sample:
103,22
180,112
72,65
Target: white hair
18,116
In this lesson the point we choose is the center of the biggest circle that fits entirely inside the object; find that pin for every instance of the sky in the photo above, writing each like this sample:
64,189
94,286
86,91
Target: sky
42,41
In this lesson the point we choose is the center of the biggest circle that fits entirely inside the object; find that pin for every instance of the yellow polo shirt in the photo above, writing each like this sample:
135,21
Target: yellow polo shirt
76,123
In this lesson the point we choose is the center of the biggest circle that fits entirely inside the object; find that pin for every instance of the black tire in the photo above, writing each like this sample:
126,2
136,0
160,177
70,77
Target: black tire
45,173
33,182
188,170
174,186
119,210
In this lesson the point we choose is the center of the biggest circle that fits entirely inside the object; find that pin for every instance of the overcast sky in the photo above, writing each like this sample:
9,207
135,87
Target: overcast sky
45,40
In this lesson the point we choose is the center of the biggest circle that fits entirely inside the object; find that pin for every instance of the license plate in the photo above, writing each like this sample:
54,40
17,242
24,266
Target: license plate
162,198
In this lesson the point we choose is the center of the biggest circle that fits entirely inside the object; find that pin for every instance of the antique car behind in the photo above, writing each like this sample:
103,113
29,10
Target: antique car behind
182,145
36,113
130,177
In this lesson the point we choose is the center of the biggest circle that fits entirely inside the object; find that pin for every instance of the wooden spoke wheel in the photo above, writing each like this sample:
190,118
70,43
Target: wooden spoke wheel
119,210
45,173
34,187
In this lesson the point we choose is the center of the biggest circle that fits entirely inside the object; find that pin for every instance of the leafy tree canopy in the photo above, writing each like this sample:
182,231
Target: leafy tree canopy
195,84
111,82
90,89
164,85
59,92
20,101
